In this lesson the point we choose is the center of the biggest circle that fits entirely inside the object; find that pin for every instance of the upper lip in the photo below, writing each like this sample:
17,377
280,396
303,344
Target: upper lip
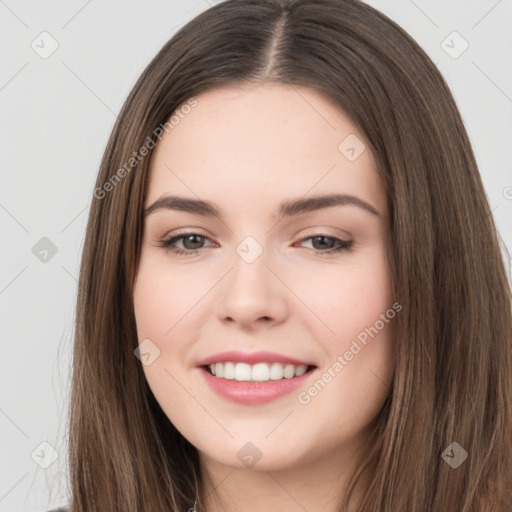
252,358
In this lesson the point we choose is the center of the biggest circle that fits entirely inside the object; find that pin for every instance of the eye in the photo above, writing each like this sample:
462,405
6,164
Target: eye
192,243
192,240
319,242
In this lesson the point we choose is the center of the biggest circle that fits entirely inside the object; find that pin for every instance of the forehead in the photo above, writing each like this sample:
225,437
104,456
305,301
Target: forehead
262,142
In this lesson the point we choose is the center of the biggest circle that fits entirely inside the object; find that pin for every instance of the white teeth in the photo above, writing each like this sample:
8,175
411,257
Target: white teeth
276,371
300,370
242,371
259,372
229,371
289,371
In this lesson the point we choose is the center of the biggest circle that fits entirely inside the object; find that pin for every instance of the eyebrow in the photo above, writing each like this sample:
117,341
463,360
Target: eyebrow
288,208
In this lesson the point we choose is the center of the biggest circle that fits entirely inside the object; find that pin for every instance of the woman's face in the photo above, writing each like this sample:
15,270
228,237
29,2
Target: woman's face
278,281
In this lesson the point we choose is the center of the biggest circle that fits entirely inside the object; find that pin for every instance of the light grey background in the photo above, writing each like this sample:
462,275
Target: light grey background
57,114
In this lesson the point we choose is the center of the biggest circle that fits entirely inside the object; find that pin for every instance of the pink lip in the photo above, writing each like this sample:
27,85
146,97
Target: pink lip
253,393
252,358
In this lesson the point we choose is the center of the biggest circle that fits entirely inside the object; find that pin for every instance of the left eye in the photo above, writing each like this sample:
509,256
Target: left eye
196,240
338,243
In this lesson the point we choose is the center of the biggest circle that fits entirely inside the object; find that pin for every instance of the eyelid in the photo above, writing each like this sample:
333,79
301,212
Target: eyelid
326,231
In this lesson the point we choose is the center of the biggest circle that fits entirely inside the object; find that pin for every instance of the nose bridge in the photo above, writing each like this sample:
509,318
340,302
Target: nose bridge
250,275
251,290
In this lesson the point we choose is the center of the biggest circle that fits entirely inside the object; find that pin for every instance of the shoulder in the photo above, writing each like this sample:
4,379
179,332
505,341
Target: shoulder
61,509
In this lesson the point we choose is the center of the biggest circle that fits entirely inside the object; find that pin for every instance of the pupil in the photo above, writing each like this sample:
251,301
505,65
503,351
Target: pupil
322,238
191,237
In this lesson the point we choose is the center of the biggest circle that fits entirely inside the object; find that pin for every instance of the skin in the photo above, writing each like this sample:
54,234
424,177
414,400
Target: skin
247,150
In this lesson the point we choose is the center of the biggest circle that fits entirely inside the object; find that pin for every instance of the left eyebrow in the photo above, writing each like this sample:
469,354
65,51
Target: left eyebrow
299,206
289,208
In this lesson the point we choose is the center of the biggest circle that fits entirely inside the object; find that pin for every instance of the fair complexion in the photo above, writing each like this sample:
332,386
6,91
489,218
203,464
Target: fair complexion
247,151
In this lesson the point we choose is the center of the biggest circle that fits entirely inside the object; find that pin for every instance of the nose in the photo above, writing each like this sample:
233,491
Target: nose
251,294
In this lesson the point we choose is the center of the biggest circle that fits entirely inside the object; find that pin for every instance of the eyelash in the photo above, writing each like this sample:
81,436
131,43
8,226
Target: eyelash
344,245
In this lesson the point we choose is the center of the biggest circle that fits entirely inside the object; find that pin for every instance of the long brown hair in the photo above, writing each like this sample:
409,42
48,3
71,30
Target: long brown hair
453,362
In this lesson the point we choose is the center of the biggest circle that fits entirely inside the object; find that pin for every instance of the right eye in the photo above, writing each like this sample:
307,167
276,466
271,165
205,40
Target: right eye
188,238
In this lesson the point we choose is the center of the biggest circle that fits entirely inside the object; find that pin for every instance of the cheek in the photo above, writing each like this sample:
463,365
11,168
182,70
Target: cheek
347,299
354,326
162,300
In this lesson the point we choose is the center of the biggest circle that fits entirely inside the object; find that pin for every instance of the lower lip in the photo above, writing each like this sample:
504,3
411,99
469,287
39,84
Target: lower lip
253,393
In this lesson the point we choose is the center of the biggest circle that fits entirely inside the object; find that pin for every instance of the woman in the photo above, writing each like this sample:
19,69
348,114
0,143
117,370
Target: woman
225,358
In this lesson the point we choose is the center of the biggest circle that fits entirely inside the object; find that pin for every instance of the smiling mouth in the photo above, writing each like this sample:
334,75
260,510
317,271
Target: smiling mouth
259,372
